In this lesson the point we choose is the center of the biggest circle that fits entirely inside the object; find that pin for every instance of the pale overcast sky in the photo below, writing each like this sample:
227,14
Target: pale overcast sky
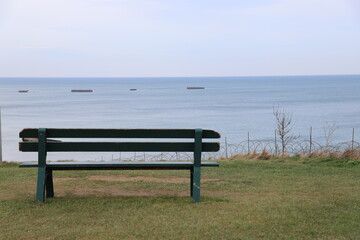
151,38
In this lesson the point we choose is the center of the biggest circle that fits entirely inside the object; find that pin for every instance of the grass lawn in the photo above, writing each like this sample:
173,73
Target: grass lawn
243,199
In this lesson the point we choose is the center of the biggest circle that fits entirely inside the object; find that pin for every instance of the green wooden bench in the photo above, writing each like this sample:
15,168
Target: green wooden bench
37,140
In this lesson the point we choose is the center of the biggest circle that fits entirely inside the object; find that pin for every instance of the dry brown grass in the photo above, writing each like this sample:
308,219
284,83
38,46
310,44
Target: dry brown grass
351,154
121,178
264,155
239,156
253,155
335,154
300,155
316,153
284,155
348,154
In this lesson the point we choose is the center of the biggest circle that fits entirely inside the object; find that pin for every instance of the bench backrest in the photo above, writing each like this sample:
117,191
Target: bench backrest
42,144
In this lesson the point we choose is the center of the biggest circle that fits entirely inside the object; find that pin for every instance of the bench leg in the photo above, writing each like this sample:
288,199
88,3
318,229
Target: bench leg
191,182
40,189
49,184
196,184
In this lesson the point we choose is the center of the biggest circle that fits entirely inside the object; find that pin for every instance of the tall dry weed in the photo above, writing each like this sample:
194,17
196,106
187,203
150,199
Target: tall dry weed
253,155
284,155
335,154
300,155
351,154
264,155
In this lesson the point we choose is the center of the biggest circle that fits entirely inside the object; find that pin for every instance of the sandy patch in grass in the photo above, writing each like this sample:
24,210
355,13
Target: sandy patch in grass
145,179
117,192
63,189
64,179
113,191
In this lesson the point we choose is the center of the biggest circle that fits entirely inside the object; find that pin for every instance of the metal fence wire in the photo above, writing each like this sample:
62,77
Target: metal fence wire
228,150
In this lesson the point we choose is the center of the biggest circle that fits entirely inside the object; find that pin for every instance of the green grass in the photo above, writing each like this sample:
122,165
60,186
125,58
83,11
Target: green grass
290,198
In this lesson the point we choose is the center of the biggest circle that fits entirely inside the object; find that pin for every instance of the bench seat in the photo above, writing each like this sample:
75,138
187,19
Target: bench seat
45,140
118,165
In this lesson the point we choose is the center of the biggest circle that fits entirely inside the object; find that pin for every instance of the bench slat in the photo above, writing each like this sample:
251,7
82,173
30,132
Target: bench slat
118,147
117,165
116,133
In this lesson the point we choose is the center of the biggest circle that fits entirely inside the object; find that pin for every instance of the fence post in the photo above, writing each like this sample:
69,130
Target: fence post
310,140
248,143
276,150
226,149
353,137
0,139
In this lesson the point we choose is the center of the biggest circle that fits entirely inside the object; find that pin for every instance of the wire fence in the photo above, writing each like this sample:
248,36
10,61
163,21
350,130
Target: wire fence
249,146
293,148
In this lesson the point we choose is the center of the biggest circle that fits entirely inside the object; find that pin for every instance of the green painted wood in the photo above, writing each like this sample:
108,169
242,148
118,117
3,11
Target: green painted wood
43,145
40,189
191,181
49,185
196,184
197,165
118,165
117,133
40,186
198,147
118,147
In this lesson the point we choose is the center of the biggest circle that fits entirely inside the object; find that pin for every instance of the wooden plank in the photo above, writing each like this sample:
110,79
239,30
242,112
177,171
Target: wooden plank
117,133
36,140
49,184
117,165
197,166
40,187
198,147
119,147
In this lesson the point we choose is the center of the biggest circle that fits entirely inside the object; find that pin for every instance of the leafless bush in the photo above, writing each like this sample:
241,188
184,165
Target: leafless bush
283,122
329,131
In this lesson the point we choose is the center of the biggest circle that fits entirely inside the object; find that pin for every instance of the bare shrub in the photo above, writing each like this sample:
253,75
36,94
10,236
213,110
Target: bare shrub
329,131
283,122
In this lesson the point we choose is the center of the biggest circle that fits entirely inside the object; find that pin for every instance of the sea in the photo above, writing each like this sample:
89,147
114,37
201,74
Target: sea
237,107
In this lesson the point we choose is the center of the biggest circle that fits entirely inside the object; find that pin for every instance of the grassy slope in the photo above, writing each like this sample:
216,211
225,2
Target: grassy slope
292,199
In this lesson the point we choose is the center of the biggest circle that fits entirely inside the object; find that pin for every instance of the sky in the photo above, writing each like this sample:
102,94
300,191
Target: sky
178,38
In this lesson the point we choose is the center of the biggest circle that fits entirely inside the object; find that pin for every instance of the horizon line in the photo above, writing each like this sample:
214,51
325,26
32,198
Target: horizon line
285,75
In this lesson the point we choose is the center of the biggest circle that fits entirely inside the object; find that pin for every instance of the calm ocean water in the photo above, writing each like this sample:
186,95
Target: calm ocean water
233,106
